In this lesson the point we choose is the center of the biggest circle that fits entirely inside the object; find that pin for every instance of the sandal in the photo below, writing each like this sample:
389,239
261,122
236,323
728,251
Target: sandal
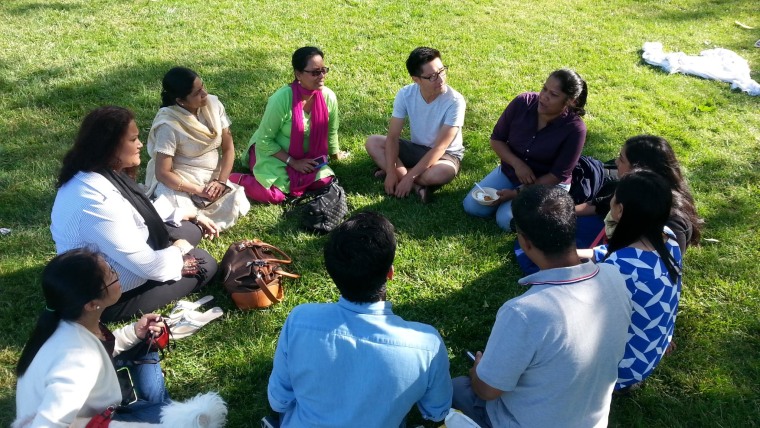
192,321
424,193
183,305
379,173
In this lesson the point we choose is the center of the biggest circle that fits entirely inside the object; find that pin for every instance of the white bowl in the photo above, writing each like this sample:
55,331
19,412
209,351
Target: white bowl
487,196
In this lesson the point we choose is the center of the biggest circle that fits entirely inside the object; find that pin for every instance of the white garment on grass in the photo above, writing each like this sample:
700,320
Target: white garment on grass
717,64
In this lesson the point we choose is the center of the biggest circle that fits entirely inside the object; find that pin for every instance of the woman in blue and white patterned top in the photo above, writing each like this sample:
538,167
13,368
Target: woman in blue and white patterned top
648,256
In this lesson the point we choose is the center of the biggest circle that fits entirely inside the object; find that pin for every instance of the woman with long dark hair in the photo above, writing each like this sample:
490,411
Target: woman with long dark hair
288,153
538,140
67,369
655,154
99,203
184,142
646,253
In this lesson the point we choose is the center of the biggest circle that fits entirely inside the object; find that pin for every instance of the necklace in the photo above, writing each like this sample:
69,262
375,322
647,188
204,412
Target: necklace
96,332
99,334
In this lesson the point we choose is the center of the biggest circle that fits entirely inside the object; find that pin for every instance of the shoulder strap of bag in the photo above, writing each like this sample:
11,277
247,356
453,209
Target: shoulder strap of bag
263,286
288,274
258,243
308,196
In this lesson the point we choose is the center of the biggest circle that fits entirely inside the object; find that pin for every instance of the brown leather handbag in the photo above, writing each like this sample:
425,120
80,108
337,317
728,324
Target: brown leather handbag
252,273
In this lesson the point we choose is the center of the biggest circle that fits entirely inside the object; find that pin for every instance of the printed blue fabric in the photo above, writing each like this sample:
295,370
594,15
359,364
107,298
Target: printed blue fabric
655,301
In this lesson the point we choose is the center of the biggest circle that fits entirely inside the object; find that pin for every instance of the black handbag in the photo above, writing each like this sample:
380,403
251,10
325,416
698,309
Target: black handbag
320,210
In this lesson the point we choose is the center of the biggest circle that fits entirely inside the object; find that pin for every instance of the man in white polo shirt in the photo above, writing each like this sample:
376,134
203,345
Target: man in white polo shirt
432,156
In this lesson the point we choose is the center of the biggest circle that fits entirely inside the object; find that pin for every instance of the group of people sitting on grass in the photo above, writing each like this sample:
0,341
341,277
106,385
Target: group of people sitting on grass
593,320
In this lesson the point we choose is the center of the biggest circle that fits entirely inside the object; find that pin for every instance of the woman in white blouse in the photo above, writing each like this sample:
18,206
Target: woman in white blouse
99,204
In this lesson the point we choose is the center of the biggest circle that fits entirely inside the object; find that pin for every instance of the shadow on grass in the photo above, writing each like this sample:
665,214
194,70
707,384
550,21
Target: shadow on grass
66,105
705,10
43,6
21,304
7,410
734,210
465,317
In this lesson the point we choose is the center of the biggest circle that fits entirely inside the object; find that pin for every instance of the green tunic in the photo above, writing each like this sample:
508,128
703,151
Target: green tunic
273,135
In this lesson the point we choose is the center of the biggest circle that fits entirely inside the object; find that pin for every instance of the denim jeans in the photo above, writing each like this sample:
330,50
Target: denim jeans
151,391
467,402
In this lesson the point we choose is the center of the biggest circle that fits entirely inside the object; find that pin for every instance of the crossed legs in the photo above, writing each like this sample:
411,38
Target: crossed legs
442,172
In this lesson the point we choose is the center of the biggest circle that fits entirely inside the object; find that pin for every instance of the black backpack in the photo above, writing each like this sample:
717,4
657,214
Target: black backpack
589,176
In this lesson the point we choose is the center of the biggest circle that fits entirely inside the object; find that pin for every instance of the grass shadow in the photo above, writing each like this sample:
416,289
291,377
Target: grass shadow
43,6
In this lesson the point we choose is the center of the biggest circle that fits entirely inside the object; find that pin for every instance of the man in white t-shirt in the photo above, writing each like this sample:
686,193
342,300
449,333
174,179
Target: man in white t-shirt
553,352
436,115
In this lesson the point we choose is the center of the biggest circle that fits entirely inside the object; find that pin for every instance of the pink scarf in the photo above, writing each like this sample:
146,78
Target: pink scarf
317,135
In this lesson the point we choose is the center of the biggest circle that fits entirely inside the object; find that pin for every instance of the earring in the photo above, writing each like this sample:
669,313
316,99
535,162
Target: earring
97,307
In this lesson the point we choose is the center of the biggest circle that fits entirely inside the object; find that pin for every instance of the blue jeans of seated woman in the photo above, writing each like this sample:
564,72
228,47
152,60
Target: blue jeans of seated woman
150,388
497,180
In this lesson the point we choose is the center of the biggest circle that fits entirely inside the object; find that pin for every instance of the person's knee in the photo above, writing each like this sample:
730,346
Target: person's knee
275,196
374,143
439,174
469,205
504,218
462,398
191,233
208,263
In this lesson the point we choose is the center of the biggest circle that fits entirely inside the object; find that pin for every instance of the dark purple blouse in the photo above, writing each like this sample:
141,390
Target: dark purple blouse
554,149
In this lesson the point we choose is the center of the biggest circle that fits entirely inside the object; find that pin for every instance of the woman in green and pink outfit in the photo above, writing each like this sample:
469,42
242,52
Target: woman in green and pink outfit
288,153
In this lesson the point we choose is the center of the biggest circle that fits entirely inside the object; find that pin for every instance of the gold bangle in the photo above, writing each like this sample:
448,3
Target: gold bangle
181,182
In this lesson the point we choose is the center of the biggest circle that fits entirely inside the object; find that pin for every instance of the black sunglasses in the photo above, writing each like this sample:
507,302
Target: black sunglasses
318,71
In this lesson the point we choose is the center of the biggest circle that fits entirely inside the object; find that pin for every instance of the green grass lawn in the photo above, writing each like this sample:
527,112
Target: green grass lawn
60,59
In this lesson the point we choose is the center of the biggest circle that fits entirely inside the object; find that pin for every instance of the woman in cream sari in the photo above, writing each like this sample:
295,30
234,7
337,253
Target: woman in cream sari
183,145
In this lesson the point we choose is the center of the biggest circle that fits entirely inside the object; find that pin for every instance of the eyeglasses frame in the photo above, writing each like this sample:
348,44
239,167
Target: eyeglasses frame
434,77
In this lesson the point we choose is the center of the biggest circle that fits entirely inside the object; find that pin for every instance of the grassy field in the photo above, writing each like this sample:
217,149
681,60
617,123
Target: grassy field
60,59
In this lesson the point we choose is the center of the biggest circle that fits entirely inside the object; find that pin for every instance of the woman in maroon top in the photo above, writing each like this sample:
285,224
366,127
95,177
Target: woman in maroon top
538,139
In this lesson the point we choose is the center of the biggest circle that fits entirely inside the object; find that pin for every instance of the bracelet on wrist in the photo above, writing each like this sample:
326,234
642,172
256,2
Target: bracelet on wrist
287,161
184,248
181,183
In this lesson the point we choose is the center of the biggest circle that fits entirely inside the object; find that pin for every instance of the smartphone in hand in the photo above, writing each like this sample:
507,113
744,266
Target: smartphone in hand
321,161
471,356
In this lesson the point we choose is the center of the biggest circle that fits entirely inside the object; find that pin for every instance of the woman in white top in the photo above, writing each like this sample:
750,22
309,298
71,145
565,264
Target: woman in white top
99,203
65,370
184,143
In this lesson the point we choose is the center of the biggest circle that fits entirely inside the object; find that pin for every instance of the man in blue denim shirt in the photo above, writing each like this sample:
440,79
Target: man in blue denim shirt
354,363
